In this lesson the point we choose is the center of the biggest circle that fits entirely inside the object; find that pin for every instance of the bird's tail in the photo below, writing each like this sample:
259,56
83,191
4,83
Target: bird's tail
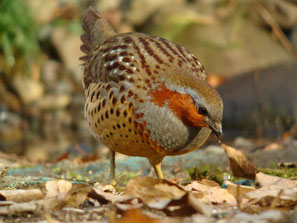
96,28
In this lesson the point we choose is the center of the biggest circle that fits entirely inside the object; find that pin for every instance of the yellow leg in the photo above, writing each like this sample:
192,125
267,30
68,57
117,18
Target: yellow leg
158,170
112,166
156,161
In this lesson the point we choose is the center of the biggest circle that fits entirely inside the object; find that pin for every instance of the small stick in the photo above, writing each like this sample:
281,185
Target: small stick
238,198
3,172
275,28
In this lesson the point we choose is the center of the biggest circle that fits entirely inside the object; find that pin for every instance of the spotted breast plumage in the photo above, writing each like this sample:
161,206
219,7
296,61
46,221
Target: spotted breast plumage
145,96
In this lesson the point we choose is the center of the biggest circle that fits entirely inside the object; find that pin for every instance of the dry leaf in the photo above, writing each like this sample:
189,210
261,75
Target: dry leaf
209,183
57,188
267,180
186,206
98,193
67,195
132,216
31,206
239,164
129,203
274,196
287,165
217,195
243,190
209,194
152,190
21,195
76,196
165,195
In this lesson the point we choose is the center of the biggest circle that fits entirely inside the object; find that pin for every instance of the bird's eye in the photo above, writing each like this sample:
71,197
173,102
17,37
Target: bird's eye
202,110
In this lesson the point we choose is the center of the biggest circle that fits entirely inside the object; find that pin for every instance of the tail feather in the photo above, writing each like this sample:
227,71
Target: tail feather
97,30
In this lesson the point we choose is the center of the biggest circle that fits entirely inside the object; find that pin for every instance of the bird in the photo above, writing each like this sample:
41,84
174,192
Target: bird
145,96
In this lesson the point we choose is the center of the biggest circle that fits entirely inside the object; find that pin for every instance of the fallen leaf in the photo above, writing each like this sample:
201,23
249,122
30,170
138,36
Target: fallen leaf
63,157
166,196
287,165
239,164
67,194
57,188
21,195
89,158
99,193
76,196
268,180
274,195
209,194
209,183
186,206
38,206
132,216
152,190
233,189
129,203
266,216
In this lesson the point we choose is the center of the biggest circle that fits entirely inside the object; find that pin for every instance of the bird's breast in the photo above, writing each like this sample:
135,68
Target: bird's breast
168,131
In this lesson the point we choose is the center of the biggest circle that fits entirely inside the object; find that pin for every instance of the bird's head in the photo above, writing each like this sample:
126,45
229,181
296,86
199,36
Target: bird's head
194,101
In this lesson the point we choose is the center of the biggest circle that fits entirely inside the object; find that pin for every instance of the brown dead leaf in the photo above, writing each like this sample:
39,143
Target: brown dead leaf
165,195
274,196
209,194
287,165
57,188
132,216
99,193
209,183
63,157
187,205
21,195
36,206
76,196
67,194
129,203
239,164
241,192
268,180
152,190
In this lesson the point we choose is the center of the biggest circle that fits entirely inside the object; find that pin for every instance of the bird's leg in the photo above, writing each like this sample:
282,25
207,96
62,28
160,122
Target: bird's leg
156,161
158,170
112,166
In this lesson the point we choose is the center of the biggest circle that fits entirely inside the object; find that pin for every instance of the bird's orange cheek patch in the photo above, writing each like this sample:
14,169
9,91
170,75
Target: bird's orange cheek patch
181,104
161,95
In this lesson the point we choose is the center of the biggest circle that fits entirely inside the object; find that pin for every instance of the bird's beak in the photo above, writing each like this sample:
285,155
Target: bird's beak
216,127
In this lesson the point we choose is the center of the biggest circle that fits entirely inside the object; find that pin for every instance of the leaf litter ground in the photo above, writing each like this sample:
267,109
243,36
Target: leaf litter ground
80,197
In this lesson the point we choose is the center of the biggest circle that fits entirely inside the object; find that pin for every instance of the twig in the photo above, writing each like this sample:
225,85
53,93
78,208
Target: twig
275,28
3,172
238,198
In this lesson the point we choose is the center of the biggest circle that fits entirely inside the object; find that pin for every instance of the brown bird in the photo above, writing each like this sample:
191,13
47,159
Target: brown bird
145,96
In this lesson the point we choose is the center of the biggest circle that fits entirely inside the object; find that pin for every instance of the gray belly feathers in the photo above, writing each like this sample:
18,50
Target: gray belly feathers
169,131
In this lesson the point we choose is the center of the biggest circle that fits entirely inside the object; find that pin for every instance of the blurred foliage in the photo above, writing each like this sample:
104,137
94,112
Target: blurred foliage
18,39
284,172
209,172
